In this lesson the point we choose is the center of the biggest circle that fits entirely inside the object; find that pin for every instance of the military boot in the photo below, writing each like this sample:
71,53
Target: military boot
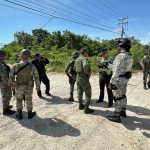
87,110
8,112
115,118
148,84
48,94
123,113
145,88
71,99
81,106
19,114
39,93
10,106
31,114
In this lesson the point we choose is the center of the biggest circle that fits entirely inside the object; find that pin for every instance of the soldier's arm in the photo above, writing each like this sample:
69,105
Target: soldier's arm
67,68
36,77
86,66
12,76
142,62
45,61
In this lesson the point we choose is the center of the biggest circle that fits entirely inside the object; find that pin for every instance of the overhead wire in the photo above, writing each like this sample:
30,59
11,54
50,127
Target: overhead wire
59,17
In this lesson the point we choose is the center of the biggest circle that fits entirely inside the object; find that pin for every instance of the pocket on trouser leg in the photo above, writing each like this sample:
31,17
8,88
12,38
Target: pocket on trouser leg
88,92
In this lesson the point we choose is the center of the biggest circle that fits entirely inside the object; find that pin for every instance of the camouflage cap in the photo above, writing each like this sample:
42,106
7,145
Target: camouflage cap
2,53
26,52
84,50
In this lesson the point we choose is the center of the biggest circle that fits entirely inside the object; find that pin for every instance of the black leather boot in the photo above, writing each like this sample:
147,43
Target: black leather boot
19,114
8,112
81,106
145,87
115,118
39,93
123,113
71,99
87,110
31,114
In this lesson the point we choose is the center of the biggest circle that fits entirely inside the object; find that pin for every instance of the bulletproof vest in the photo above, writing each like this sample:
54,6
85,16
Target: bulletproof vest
25,75
78,65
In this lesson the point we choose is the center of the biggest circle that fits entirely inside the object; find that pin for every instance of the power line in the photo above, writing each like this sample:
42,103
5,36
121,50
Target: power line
62,18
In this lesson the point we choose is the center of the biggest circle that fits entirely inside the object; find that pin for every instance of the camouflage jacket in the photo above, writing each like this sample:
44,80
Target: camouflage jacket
145,63
122,64
85,71
4,73
25,75
70,70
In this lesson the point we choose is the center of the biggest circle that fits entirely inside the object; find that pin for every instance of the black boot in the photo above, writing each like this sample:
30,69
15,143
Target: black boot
115,118
100,100
48,94
81,106
71,99
145,88
110,105
39,93
148,84
19,114
123,113
10,106
8,112
31,114
87,110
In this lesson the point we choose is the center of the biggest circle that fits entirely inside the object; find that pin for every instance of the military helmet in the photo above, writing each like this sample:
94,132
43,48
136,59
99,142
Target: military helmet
84,50
123,42
26,52
75,55
2,53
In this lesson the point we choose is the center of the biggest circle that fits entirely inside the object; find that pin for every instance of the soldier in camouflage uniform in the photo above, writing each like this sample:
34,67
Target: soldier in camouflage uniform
121,68
83,70
145,63
4,85
105,75
71,73
21,77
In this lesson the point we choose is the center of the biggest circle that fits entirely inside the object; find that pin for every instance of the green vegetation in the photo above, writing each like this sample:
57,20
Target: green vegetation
58,47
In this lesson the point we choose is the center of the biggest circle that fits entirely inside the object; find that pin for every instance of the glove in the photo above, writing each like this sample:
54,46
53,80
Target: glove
112,86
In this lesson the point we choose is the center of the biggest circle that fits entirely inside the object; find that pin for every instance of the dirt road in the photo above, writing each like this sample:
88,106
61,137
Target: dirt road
59,125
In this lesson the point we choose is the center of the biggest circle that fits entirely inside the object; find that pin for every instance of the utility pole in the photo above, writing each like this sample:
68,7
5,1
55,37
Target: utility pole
124,24
1,45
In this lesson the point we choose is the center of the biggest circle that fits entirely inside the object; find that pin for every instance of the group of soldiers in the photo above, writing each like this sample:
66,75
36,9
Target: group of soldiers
114,74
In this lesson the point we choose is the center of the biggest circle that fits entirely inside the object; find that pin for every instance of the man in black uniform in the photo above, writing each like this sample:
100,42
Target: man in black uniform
40,62
104,77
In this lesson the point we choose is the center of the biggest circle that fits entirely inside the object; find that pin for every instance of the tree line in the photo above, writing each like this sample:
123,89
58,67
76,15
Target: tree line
59,45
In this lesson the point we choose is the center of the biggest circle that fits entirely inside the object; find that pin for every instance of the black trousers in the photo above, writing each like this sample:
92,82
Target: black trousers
102,83
44,79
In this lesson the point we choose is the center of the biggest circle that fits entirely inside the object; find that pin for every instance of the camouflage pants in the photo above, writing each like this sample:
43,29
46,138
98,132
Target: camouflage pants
21,92
120,95
72,83
146,75
84,86
6,95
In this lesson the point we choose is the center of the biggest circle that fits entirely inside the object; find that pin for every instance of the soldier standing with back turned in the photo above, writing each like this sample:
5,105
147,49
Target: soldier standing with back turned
122,66
4,85
71,73
83,70
145,63
21,77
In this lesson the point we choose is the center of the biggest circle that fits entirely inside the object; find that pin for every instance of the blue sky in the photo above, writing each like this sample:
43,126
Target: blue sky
99,13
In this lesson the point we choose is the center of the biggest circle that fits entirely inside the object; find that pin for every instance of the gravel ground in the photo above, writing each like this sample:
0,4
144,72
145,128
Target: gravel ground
59,125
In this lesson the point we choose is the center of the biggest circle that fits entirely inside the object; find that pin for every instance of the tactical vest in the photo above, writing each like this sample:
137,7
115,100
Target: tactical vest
24,76
79,65
72,68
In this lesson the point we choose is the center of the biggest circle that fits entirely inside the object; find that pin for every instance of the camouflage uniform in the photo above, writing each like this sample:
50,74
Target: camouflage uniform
121,65
145,63
83,84
24,83
5,89
72,76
